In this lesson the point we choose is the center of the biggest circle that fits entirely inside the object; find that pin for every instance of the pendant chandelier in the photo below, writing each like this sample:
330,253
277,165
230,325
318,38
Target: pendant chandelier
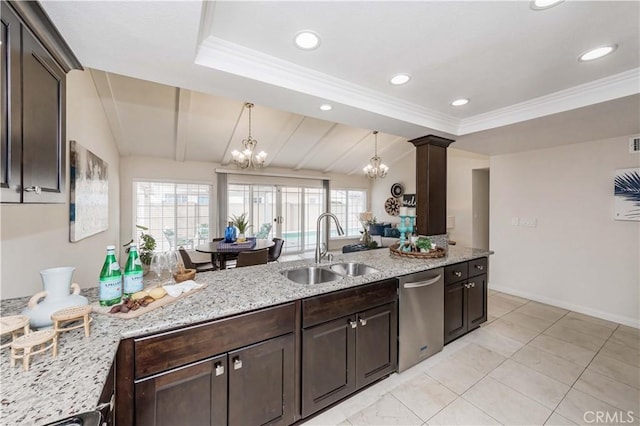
375,168
248,158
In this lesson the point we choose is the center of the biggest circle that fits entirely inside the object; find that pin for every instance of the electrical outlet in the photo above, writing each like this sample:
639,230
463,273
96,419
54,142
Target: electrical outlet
529,222
515,221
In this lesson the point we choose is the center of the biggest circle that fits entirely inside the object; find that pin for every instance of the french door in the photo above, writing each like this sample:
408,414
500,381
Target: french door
290,210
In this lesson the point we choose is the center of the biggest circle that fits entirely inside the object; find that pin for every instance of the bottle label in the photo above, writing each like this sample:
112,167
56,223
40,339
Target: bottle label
133,282
111,288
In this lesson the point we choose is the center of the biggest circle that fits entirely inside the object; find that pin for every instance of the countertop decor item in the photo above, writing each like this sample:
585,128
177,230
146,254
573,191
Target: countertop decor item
56,282
431,254
71,315
375,168
397,190
22,347
392,206
184,274
13,324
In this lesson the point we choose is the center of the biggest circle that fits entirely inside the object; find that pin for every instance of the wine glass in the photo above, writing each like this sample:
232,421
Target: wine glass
158,263
173,263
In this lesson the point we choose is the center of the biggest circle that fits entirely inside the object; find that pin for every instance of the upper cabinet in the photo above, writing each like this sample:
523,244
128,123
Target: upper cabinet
35,60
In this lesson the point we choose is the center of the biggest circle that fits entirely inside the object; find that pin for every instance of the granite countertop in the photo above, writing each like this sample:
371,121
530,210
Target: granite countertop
56,388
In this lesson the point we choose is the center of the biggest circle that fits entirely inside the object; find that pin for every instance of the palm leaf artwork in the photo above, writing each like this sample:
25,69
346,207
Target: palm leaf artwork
627,188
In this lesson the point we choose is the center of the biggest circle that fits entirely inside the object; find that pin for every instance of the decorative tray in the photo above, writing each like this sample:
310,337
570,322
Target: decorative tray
431,254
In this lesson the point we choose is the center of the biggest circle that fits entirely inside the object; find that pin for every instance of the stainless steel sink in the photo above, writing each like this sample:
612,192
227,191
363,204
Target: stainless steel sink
311,275
353,269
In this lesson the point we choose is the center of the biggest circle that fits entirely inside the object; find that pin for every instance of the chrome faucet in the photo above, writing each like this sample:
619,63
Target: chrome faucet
320,253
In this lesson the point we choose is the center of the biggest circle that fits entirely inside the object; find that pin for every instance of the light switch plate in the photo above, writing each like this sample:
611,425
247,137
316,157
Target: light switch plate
515,221
529,222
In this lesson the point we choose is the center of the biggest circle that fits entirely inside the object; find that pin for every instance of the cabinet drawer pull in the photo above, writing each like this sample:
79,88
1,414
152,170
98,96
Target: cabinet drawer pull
472,285
457,273
220,369
466,285
353,324
363,322
237,364
34,188
480,267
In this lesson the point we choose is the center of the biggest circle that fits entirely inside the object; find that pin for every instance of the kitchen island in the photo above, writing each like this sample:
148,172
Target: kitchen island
73,382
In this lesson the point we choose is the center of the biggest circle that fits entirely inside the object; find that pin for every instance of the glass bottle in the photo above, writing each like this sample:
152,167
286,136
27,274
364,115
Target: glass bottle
110,279
132,272
230,233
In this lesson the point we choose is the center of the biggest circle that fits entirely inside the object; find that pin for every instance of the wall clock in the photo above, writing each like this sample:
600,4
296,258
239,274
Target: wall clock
392,206
397,190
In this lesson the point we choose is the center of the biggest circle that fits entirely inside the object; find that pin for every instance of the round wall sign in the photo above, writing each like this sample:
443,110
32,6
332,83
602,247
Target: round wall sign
392,206
397,190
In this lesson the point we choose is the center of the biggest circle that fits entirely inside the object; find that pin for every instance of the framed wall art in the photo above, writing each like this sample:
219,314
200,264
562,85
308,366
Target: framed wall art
627,194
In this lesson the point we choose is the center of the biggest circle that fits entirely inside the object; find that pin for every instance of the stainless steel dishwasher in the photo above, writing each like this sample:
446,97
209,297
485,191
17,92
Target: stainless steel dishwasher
421,318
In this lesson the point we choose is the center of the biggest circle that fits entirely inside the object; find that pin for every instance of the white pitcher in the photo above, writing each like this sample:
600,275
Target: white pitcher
56,282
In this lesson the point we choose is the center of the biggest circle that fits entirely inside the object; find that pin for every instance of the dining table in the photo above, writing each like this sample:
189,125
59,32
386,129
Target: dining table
221,251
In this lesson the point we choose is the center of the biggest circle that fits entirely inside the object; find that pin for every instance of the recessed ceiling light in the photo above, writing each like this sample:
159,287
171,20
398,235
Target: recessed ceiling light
596,53
399,79
326,107
460,102
544,4
307,40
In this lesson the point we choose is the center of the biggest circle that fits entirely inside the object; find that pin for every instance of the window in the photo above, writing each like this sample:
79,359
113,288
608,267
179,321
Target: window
347,204
177,214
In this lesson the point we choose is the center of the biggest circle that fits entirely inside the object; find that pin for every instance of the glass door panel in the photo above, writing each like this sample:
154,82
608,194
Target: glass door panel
313,202
290,220
264,208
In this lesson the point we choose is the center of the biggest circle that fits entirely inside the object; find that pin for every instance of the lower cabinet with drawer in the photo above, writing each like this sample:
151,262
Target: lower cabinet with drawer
349,340
237,371
465,297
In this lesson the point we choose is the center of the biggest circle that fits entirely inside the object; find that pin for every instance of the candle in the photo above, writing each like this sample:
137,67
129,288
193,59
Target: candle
412,212
403,211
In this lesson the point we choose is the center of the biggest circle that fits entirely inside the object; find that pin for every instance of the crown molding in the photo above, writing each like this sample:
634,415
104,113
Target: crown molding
223,55
626,83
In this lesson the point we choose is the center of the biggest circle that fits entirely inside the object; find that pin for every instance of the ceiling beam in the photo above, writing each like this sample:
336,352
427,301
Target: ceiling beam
308,156
107,99
286,133
346,154
183,108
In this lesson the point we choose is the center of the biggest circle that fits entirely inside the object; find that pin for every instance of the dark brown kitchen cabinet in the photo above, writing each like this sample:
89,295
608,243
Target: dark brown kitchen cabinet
342,355
465,297
35,60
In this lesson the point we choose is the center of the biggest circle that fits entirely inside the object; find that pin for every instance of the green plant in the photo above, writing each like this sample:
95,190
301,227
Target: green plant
241,222
424,243
146,245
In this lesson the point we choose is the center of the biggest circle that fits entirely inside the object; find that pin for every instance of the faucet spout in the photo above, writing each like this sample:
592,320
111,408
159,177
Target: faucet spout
319,252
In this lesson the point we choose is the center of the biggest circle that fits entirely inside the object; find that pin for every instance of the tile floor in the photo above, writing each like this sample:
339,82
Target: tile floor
530,364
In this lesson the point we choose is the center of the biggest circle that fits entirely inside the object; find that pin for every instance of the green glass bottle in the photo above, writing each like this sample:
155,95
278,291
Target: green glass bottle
110,279
133,272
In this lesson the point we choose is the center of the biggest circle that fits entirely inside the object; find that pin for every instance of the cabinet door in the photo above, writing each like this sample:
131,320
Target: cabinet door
191,395
43,120
262,384
476,301
10,128
455,312
328,363
376,344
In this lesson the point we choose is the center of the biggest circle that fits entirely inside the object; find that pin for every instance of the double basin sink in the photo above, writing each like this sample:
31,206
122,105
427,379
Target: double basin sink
324,274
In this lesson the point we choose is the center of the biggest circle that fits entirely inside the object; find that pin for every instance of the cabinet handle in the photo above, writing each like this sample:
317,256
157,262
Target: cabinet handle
472,284
457,273
480,267
363,322
220,369
237,364
34,188
466,285
354,324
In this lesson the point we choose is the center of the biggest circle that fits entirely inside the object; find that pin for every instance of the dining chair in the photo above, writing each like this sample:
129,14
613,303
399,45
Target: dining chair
255,257
198,266
276,250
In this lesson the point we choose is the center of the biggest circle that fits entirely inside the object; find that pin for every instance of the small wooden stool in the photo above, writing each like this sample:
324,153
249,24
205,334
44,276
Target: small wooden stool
74,313
13,324
27,343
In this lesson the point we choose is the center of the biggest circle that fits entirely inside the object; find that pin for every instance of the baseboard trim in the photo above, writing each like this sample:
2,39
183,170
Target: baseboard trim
631,322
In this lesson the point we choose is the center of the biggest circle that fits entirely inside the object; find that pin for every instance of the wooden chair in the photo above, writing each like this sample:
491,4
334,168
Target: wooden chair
249,258
276,250
189,264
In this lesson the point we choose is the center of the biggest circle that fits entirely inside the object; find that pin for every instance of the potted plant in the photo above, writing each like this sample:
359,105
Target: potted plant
242,223
146,246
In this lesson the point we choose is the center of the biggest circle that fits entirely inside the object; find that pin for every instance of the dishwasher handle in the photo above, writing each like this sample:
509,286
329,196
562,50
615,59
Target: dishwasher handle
423,283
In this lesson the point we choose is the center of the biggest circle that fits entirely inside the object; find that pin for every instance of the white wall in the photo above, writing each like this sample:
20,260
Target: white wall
36,236
577,256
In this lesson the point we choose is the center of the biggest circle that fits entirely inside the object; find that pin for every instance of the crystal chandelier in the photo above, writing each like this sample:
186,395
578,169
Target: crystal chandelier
248,157
375,168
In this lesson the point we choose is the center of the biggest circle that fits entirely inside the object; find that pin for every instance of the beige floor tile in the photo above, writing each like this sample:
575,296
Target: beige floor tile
533,323
565,350
577,338
516,299
585,326
557,420
548,364
497,307
490,319
345,423
455,375
512,331
424,396
599,321
461,412
610,391
506,405
621,352
492,292
387,411
506,301
494,341
537,386
582,408
328,418
478,357
617,370
543,311
626,335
